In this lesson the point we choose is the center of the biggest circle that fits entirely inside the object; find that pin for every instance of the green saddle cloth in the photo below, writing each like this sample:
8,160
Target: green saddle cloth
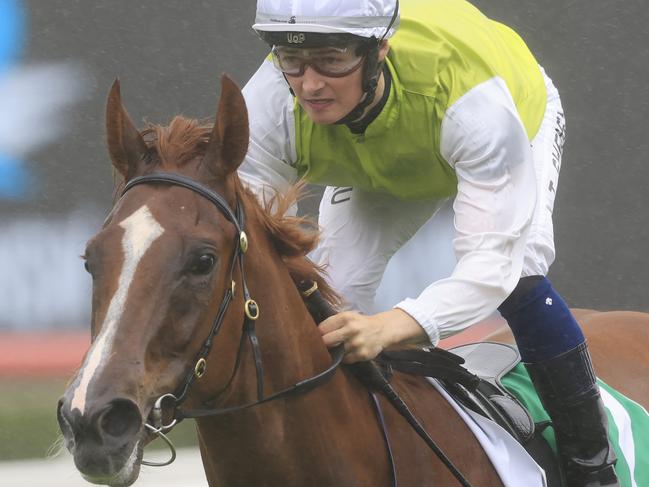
628,426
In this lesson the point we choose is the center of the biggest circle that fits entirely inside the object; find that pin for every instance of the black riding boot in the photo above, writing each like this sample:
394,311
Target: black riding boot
567,388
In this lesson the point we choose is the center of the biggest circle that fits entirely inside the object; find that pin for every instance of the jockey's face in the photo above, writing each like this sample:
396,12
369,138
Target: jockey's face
327,99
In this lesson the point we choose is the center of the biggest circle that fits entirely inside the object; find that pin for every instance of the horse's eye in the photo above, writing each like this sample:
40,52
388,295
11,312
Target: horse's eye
86,266
203,264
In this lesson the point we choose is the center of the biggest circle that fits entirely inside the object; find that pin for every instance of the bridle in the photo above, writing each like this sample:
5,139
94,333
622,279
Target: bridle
251,313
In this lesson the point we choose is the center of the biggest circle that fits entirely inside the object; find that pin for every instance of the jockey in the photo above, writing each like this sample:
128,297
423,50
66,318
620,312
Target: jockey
453,105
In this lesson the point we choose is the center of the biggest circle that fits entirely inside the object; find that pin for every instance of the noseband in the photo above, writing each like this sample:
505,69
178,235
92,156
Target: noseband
251,313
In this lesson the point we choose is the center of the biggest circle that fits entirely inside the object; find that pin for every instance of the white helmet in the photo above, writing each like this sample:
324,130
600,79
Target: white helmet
313,23
363,18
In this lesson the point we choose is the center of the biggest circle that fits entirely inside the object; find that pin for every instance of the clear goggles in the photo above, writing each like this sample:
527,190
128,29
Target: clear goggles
334,62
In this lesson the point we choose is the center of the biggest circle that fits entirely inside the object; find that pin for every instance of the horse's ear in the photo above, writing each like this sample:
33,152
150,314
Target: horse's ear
229,139
125,144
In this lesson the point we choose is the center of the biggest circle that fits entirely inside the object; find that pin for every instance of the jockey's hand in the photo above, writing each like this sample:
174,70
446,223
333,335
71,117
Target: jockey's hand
366,336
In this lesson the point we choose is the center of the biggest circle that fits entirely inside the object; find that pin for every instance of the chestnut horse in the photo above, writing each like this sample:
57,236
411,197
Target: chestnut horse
173,312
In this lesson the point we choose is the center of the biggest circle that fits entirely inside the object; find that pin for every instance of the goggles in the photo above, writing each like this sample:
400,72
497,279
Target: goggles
334,62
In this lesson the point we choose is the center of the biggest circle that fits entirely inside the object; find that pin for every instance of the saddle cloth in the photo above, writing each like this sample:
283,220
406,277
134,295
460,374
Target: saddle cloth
628,424
512,462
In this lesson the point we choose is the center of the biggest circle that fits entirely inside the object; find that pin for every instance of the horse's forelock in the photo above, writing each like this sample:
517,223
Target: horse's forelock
171,146
183,140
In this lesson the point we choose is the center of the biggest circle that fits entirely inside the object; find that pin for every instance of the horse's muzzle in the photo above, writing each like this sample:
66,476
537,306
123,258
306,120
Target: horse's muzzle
104,440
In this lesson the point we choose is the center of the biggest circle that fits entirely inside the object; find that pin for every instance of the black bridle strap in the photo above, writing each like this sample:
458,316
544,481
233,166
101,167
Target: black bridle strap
251,314
298,388
249,329
186,182
205,349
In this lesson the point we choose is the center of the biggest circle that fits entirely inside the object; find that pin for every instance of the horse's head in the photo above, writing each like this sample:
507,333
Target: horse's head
160,266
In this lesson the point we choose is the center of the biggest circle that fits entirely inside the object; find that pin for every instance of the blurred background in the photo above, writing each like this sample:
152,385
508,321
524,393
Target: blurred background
58,59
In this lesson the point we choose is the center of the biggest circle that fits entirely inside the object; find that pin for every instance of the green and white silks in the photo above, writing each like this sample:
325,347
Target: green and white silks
628,426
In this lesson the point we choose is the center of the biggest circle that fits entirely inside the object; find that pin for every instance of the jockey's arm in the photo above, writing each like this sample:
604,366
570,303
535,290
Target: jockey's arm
484,139
486,143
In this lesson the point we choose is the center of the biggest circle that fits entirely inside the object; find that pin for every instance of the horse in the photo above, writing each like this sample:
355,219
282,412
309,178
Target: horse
178,317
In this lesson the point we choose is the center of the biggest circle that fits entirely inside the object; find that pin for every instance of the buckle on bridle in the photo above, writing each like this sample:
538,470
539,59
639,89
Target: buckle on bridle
252,309
200,368
243,242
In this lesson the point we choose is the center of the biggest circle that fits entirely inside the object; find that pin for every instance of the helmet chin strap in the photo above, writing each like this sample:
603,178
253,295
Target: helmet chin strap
370,93
371,74
289,86
372,70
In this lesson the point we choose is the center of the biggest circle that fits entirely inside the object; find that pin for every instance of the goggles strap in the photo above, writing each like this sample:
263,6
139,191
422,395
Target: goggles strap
289,85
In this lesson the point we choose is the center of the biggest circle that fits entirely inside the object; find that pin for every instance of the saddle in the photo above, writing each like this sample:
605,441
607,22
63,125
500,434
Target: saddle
471,375
490,362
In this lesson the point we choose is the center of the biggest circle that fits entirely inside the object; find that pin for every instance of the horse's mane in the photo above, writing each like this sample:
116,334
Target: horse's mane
293,237
184,140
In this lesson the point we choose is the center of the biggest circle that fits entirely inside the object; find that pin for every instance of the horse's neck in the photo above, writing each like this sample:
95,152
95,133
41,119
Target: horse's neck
292,350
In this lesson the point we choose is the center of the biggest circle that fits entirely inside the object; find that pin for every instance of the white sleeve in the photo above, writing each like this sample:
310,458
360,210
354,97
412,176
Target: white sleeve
483,138
268,166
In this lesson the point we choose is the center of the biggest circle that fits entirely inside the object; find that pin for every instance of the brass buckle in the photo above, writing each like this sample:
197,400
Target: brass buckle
243,242
200,368
311,290
252,309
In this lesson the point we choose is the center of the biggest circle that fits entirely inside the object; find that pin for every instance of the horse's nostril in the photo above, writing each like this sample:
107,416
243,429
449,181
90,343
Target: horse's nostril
120,419
64,422
59,412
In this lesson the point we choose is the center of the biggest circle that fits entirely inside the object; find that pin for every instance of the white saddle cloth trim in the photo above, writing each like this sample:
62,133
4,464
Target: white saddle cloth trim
625,432
512,462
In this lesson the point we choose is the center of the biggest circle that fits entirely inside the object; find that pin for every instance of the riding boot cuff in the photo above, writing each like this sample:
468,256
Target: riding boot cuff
568,390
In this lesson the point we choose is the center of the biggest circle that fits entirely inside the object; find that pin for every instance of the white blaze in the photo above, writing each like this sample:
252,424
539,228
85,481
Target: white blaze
141,230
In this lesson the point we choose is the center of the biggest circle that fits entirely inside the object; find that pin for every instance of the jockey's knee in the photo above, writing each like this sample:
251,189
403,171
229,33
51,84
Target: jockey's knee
521,292
540,320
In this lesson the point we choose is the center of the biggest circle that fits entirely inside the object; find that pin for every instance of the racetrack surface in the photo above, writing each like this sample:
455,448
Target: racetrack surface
186,471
